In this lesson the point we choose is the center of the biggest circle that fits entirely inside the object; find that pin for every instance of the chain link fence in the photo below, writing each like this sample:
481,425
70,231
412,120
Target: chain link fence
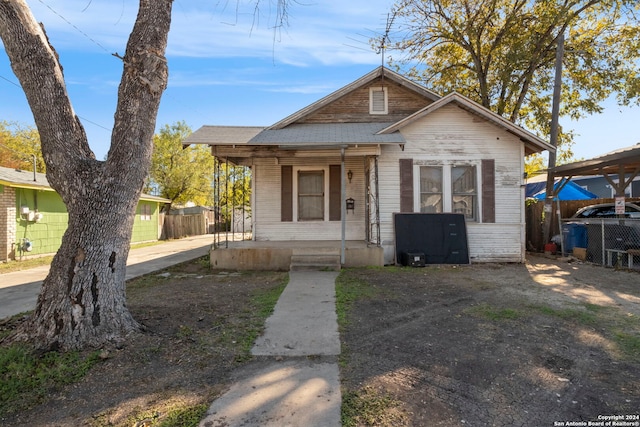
610,242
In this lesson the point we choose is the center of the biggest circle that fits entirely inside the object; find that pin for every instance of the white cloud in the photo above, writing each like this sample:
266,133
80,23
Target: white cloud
322,32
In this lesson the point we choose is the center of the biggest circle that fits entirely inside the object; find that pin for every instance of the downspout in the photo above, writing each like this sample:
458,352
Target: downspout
343,208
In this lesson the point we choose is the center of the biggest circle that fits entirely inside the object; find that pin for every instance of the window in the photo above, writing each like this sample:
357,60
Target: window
310,195
145,212
463,189
378,100
431,189
449,188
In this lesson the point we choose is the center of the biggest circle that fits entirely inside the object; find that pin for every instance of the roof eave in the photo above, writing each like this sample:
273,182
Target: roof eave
34,186
533,144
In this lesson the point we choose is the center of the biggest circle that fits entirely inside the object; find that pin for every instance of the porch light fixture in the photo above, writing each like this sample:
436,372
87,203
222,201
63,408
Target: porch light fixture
350,175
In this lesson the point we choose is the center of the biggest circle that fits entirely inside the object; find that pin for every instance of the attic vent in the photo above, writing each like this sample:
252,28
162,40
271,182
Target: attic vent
378,100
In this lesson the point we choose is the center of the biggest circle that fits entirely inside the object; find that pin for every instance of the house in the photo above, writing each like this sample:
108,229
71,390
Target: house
594,184
340,169
603,189
33,217
536,188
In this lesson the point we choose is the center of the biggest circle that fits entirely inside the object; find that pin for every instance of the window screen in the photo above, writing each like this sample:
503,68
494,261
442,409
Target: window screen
464,191
431,189
310,195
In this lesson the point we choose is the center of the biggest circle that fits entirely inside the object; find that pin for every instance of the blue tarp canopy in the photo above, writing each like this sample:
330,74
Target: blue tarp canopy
570,191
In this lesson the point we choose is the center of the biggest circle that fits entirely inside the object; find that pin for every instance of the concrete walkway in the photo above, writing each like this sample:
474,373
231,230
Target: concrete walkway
296,382
19,290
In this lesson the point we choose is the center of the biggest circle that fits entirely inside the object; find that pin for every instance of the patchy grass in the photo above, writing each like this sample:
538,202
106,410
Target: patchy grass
147,244
27,378
205,320
26,264
486,311
586,316
262,304
17,265
371,408
185,416
623,330
350,289
173,413
629,344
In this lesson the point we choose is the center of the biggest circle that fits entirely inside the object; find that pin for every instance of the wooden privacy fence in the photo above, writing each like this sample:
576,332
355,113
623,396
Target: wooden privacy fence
535,218
179,226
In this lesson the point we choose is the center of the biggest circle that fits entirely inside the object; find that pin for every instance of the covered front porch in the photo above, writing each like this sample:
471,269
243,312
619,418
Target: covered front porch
287,255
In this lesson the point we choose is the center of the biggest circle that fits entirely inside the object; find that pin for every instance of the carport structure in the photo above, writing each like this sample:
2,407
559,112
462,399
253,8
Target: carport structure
624,162
610,243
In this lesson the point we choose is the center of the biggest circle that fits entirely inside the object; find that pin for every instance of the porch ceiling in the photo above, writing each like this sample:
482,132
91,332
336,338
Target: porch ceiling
245,155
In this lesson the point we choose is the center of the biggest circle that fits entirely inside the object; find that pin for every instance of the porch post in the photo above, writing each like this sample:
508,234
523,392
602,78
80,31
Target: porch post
343,213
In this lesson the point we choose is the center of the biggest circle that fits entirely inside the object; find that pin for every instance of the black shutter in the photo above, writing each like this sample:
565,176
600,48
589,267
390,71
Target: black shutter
406,185
335,193
488,191
286,203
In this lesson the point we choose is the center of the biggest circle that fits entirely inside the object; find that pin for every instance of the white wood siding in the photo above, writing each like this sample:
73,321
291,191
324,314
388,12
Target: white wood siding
452,134
267,224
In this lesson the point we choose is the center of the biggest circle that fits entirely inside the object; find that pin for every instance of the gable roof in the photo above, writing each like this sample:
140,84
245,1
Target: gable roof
17,178
533,144
380,72
290,132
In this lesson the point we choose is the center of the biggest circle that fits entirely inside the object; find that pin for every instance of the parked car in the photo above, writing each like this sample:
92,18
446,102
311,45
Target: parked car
617,233
607,210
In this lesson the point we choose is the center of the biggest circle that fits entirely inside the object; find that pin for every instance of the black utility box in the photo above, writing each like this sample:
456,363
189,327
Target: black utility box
413,259
440,237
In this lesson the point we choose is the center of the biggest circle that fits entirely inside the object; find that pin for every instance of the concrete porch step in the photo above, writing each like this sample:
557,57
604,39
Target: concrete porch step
328,262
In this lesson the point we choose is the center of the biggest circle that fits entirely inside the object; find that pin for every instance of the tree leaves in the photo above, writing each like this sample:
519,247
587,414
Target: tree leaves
501,54
181,174
18,145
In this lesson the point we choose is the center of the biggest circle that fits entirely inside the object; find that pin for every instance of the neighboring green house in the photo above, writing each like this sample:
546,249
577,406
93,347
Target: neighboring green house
33,217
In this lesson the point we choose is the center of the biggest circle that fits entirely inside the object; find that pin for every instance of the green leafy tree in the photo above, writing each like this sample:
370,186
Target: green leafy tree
181,174
18,146
233,197
501,53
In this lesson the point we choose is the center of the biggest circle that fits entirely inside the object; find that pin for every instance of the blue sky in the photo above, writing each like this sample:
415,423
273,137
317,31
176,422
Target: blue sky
228,67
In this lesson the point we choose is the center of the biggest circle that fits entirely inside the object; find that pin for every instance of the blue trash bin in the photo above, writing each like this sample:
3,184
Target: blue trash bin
574,235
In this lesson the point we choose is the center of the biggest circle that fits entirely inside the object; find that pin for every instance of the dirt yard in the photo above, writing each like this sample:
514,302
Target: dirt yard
539,344
197,324
480,345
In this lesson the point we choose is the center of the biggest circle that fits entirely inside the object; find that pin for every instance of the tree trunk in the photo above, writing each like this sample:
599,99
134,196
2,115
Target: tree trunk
83,299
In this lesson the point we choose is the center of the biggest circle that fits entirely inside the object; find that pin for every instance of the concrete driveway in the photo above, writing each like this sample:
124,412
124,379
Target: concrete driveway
19,290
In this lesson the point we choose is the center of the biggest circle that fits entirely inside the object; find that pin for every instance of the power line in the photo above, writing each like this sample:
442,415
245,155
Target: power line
83,118
9,81
166,94
74,27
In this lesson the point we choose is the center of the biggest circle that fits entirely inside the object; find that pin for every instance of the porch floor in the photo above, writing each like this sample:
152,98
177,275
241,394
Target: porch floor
276,255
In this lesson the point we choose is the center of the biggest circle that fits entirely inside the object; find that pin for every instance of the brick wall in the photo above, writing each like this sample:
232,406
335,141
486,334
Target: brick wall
7,222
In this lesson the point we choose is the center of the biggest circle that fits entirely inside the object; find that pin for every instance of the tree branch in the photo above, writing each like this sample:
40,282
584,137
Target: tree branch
36,65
